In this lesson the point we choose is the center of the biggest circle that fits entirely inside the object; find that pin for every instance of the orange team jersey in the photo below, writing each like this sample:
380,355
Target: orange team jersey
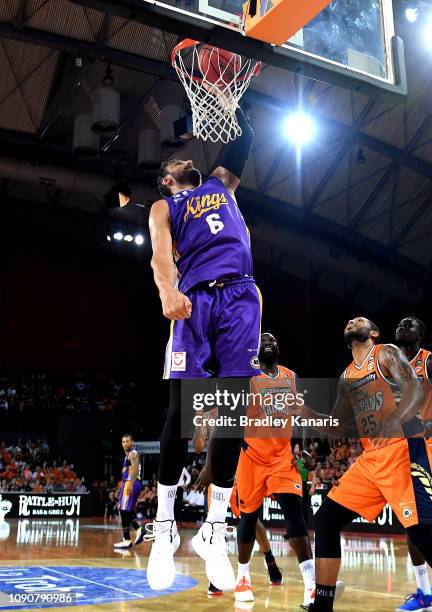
269,444
373,399
419,363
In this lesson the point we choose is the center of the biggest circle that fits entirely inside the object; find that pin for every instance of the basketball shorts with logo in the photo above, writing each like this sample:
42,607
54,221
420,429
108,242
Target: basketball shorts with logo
398,474
127,502
255,481
221,338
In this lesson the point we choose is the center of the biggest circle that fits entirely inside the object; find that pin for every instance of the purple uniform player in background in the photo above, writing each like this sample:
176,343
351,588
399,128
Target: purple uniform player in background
129,493
202,266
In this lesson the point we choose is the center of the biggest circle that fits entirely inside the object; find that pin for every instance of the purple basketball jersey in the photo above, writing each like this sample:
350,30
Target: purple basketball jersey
210,235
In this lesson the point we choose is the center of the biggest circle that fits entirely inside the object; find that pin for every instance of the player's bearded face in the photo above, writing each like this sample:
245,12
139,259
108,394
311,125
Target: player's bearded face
268,353
359,333
187,176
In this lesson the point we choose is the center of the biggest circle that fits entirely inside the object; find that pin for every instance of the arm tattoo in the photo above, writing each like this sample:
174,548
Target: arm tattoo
392,358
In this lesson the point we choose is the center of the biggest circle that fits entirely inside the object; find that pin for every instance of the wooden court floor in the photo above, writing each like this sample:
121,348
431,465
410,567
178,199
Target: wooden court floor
374,569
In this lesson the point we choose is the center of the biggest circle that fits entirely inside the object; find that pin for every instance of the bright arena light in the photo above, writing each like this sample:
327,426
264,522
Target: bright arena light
118,236
139,239
300,128
412,14
128,238
108,238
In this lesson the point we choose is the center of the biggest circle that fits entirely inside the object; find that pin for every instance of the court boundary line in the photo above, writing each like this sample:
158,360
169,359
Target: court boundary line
100,584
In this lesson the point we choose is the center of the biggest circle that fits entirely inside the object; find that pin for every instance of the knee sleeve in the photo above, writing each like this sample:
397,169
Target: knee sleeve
173,448
329,520
292,508
421,537
247,527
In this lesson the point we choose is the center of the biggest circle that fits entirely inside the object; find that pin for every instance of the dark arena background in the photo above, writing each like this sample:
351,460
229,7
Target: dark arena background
337,195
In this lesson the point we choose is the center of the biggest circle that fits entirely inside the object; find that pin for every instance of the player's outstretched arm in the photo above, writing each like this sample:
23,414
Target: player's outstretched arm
232,158
175,305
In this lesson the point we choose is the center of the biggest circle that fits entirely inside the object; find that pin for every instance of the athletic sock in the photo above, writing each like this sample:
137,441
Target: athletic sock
219,501
166,498
324,598
243,571
268,556
307,569
422,578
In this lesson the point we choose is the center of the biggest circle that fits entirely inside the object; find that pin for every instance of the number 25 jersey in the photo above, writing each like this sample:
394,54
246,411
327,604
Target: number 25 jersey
210,236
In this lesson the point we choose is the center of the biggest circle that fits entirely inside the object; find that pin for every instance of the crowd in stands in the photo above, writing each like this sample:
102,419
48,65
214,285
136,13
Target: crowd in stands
329,461
26,466
31,393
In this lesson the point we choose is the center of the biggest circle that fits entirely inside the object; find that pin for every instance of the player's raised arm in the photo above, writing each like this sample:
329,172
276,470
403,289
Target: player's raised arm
393,360
232,158
175,305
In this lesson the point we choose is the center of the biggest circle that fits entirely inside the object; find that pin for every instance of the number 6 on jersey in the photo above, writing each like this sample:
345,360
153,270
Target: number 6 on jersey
215,223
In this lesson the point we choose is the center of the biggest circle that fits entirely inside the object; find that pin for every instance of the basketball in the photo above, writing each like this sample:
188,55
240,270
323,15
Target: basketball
217,64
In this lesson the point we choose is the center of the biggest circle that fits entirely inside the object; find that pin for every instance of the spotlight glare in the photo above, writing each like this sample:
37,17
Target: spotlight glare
118,236
300,127
108,238
128,238
412,14
139,239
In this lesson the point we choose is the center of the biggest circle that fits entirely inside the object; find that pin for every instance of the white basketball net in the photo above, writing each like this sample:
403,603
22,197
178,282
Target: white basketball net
213,102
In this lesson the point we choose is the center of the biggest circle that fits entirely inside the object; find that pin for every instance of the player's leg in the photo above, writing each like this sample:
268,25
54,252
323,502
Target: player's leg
236,319
275,575
329,520
246,533
163,530
408,477
291,506
420,568
356,494
125,523
422,599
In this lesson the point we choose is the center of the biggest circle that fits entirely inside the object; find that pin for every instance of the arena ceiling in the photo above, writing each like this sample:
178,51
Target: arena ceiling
354,217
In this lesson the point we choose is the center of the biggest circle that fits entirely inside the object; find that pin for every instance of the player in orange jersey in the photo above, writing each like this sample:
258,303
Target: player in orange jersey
410,333
382,389
267,468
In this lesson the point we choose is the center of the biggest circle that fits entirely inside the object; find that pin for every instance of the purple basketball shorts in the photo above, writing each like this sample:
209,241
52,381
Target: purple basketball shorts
127,502
221,338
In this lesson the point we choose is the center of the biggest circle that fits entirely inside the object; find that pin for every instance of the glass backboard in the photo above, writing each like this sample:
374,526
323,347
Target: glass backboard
353,34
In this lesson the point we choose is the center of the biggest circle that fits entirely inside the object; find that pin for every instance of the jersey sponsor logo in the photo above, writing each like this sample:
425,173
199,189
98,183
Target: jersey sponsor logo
197,206
255,363
407,512
353,384
178,361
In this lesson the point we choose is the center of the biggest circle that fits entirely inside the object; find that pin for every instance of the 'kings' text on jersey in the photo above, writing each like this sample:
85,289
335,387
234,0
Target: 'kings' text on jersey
210,235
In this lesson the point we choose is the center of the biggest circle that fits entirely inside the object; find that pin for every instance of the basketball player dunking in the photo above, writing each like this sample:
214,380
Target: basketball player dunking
129,493
382,389
410,333
210,296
